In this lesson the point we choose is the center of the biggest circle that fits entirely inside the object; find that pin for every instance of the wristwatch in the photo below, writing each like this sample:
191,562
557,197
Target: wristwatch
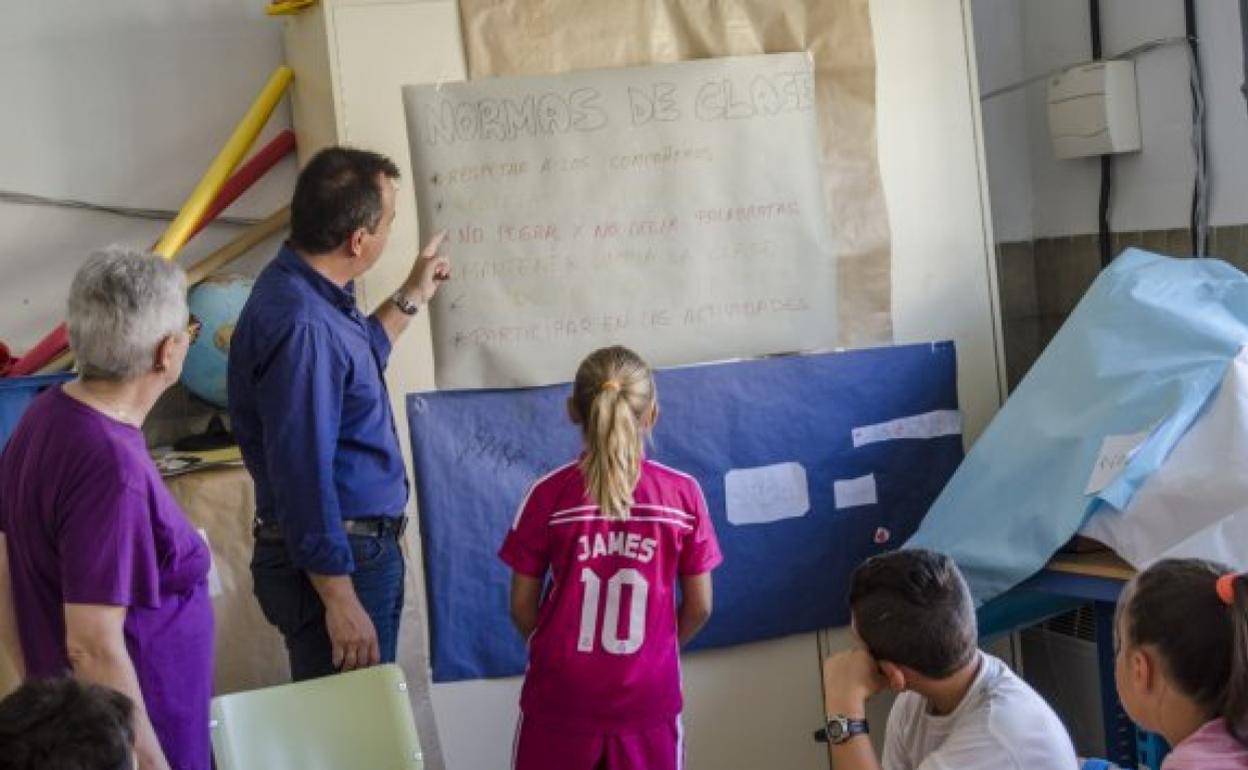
404,304
841,728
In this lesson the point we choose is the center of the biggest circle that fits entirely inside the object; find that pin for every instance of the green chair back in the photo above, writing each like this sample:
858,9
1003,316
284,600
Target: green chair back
360,720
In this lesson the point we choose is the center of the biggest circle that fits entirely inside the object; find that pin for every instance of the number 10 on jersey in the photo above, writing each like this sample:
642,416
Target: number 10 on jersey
612,614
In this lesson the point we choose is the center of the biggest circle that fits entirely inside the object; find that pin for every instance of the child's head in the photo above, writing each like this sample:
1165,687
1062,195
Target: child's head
1182,632
613,401
913,612
63,724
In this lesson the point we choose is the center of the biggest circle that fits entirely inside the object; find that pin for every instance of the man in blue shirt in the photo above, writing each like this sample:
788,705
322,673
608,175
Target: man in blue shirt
309,406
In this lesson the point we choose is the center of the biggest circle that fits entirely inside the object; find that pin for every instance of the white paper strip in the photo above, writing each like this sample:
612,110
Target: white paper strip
852,493
944,422
214,577
764,494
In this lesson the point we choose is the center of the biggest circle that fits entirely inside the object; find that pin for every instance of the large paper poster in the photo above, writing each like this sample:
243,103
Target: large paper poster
676,209
810,464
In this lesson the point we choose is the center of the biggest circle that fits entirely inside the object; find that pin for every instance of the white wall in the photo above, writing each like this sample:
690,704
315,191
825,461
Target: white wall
122,103
998,35
1152,188
944,271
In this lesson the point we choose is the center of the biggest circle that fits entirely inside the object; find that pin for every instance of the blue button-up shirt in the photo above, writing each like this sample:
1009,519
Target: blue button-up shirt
309,407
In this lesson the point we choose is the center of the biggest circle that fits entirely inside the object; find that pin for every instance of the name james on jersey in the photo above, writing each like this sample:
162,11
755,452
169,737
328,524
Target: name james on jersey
630,545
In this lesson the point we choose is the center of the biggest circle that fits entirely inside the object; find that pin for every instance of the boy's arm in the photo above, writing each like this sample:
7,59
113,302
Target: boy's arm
857,753
849,679
526,595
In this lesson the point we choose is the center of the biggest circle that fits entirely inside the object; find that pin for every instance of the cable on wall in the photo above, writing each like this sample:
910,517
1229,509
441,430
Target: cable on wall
1130,53
164,215
1200,187
1107,161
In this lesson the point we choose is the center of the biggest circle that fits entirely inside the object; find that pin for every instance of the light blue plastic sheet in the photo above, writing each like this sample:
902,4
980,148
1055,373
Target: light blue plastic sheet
1144,351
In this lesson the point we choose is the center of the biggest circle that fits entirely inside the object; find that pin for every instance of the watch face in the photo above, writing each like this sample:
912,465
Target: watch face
837,730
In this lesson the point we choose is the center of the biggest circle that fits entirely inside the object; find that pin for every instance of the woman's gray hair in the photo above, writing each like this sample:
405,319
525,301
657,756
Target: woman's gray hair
122,304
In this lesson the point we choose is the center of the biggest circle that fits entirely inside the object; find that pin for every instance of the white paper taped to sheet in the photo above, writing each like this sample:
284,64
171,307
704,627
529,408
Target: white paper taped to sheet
852,493
1116,452
943,422
676,209
1196,503
765,494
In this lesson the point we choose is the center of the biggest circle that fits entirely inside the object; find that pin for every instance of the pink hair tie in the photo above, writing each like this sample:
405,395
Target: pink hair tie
1226,588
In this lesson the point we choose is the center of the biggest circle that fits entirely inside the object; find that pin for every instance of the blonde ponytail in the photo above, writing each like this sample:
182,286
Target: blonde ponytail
612,395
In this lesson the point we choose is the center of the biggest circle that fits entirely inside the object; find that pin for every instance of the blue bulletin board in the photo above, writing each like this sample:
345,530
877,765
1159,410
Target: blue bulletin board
809,463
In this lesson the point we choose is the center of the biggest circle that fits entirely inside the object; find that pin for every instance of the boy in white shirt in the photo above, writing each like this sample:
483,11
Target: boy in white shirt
959,708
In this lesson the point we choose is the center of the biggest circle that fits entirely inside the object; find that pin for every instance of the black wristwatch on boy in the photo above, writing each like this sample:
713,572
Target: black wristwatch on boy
840,728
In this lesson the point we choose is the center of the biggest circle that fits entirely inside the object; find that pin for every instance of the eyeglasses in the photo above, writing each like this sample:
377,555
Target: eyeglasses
192,329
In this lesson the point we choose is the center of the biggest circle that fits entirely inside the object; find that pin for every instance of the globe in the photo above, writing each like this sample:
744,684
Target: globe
217,303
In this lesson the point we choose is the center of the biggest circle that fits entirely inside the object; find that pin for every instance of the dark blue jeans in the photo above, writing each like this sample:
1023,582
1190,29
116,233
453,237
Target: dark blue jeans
291,603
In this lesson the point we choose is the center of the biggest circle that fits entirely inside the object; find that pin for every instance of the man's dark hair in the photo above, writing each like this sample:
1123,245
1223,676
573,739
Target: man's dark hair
913,608
64,724
337,193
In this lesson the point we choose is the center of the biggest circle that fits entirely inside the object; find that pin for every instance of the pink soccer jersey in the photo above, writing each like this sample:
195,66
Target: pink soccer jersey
604,656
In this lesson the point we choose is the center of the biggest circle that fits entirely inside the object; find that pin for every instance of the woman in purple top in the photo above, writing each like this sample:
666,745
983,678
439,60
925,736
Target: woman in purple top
101,576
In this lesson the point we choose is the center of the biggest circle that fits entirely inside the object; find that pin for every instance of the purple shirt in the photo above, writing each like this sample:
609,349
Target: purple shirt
89,521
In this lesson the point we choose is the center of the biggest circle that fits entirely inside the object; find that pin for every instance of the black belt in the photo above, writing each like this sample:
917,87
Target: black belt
376,527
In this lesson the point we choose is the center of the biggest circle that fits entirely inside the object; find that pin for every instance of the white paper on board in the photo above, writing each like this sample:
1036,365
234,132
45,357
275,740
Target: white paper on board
852,493
942,422
677,209
765,494
1116,452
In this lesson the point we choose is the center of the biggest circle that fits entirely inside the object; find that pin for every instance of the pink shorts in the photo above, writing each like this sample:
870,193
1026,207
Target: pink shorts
540,745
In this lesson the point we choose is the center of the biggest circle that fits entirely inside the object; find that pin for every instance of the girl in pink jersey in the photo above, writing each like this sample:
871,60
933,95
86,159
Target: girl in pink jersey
615,531
1182,661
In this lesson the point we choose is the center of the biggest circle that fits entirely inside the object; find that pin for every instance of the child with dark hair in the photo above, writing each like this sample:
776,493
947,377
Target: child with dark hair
1181,661
64,724
959,708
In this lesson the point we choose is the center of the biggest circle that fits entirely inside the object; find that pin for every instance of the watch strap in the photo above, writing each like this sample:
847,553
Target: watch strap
404,304
839,728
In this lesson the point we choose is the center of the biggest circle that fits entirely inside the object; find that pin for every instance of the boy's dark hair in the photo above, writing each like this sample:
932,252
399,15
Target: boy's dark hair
913,608
337,193
1203,643
63,724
